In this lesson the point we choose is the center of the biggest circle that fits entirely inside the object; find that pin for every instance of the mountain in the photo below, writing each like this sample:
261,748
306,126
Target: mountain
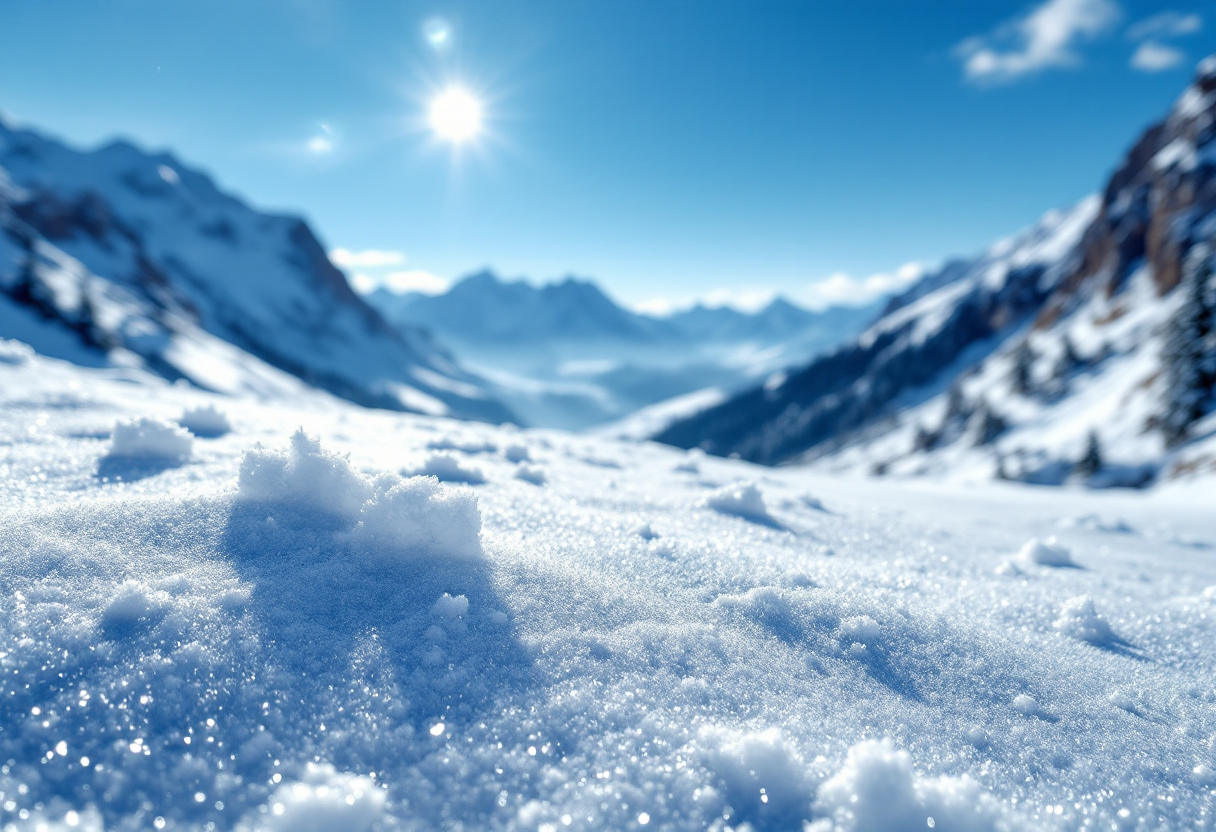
566,355
1047,358
117,255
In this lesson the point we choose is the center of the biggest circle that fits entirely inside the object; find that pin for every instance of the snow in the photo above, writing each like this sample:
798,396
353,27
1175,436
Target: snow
146,438
1045,553
449,467
206,421
744,499
282,619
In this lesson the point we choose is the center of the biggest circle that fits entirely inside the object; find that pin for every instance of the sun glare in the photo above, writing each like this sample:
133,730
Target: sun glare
456,115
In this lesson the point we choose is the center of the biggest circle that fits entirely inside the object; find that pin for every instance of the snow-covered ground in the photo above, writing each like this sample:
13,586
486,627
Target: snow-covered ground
266,629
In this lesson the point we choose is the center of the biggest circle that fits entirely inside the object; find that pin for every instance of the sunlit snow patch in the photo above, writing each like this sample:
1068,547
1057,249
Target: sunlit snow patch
1079,618
742,499
1046,553
384,512
322,801
149,439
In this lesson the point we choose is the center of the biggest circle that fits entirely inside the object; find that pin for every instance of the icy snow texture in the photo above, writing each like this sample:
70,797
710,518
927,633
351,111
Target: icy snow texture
253,607
149,439
530,473
207,421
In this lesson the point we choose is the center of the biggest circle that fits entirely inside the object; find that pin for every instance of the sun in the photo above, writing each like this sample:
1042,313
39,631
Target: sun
455,115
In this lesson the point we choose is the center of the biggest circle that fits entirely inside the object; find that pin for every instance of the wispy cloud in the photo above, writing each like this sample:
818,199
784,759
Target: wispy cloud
1153,56
1046,38
1165,25
416,280
843,290
745,300
368,259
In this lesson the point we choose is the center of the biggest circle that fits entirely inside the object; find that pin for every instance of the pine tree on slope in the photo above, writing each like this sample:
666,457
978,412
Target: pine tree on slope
1091,462
1187,354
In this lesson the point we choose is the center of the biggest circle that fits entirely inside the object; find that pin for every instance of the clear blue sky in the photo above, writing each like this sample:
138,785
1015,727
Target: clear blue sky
667,148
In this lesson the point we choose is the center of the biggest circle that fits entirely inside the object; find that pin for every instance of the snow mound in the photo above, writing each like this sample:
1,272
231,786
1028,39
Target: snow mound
531,473
14,352
1096,523
450,607
447,467
386,511
464,445
208,421
151,439
1046,553
763,776
877,790
322,801
517,453
744,499
1079,618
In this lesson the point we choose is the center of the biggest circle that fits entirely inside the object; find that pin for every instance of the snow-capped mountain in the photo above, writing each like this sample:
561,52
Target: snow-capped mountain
120,256
1045,358
566,355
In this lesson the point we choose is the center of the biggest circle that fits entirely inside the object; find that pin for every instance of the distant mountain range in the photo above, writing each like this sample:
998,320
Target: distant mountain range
1083,349
565,355
117,256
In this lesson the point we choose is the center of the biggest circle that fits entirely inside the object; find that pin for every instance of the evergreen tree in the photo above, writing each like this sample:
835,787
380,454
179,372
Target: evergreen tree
990,425
956,404
1091,461
1068,361
1023,364
1187,354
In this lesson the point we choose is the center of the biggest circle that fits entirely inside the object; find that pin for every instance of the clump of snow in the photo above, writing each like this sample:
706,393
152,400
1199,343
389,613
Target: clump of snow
207,421
812,502
132,609
646,532
744,499
764,778
517,453
464,445
447,467
386,511
691,464
323,800
877,790
14,352
1079,618
149,439
1046,553
531,473
1027,705
450,607
1095,523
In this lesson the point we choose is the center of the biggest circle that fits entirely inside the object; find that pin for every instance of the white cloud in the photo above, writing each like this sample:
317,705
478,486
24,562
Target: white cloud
1043,39
416,281
1165,25
842,290
1153,56
368,259
362,284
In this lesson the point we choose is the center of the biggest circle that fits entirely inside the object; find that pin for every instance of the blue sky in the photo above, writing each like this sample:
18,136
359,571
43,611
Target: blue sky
669,149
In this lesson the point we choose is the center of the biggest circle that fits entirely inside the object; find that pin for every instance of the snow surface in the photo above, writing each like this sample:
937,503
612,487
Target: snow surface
281,632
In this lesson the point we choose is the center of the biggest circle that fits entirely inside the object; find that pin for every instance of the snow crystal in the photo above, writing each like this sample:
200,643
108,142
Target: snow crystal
448,467
1079,618
322,801
741,500
208,421
449,607
530,473
149,439
877,790
1045,553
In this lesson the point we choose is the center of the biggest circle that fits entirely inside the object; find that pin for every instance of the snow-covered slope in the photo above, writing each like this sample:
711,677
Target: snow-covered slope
1042,359
565,355
274,630
117,248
